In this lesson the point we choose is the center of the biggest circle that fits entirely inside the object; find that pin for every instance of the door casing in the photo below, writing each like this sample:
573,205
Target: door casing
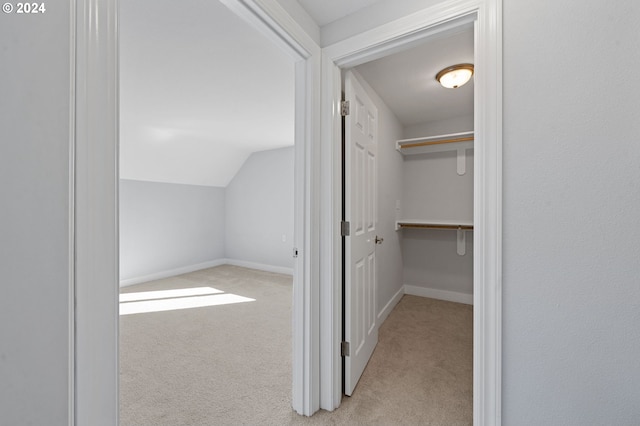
379,42
94,73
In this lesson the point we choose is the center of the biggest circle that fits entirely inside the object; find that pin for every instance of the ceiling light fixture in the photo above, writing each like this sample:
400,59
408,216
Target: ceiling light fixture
455,76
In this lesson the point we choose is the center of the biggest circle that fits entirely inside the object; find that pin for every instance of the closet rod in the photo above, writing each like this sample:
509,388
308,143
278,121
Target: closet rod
455,140
435,226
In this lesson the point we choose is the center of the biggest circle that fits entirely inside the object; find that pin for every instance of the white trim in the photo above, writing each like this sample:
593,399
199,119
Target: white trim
72,221
205,265
275,24
259,266
434,293
487,187
96,213
172,272
273,21
487,235
331,258
384,313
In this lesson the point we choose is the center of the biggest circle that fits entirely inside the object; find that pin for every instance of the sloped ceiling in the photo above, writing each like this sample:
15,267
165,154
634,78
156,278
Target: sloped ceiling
200,90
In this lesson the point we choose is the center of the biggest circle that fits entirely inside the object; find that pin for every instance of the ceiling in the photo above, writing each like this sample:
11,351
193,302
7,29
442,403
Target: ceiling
326,11
192,108
406,80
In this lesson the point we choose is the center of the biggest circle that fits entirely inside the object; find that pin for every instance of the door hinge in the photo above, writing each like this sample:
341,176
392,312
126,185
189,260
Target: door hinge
344,108
345,228
344,349
295,252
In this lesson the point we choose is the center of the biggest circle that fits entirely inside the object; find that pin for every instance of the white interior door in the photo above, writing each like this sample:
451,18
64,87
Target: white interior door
361,140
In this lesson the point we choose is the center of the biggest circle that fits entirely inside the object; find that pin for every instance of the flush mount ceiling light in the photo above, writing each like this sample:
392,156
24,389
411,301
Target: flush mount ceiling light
455,76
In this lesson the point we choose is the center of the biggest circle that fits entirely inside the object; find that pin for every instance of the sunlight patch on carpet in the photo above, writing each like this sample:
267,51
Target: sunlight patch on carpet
165,294
171,300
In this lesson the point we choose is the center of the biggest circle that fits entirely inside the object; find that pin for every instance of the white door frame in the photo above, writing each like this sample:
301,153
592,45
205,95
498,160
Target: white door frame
377,43
95,171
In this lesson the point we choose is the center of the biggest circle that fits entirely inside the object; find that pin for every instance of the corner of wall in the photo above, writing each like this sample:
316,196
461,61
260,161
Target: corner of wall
433,293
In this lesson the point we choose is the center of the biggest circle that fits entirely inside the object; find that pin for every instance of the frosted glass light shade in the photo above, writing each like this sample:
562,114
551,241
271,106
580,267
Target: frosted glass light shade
455,76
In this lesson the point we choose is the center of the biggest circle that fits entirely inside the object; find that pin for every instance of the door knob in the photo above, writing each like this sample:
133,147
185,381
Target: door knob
379,240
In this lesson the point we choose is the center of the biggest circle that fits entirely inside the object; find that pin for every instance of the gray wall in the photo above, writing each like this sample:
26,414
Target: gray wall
571,283
165,226
432,189
259,210
35,215
459,124
430,260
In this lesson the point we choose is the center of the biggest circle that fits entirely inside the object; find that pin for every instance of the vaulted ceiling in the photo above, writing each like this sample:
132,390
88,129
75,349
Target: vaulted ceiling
200,89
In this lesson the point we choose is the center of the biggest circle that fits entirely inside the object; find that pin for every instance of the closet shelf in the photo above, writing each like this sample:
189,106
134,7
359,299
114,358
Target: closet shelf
441,143
459,142
431,224
459,227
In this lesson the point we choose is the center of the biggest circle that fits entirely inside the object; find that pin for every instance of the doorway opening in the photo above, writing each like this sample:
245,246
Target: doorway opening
387,39
409,196
206,214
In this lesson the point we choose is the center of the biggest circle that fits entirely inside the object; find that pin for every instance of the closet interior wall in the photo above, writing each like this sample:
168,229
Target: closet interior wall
433,190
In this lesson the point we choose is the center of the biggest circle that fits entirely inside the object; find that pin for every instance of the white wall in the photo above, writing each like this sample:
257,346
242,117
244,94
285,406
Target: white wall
166,226
168,229
432,189
259,210
35,216
462,123
571,269
431,262
389,260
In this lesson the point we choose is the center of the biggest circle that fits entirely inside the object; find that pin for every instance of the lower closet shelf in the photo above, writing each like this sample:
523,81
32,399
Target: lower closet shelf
460,227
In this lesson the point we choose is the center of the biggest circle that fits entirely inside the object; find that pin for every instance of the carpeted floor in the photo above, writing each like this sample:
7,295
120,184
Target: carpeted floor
231,364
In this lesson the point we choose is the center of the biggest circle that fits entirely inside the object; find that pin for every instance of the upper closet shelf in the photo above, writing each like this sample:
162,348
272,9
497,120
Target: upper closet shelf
452,142
434,224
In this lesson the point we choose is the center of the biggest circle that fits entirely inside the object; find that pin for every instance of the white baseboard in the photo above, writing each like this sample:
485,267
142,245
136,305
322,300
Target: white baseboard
172,272
450,296
205,265
384,313
260,266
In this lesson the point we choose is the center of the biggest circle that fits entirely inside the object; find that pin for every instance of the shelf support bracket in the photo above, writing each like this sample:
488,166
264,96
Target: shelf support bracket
462,242
462,161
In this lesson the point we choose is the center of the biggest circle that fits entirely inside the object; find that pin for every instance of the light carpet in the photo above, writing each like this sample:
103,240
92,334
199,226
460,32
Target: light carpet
231,364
